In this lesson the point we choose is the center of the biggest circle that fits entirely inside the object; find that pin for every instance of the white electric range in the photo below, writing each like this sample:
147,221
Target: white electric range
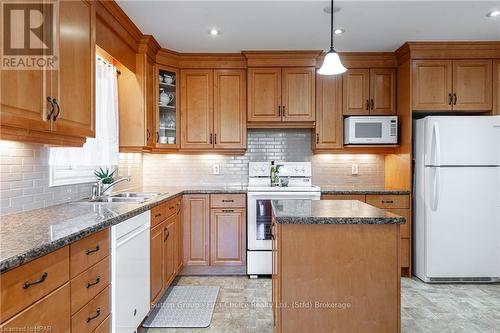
260,194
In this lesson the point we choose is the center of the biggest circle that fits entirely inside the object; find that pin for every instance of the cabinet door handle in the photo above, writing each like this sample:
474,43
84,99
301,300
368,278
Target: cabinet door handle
96,281
228,210
279,110
367,105
58,109
90,251
372,104
450,99
215,138
455,99
28,284
167,233
49,115
273,235
283,111
211,141
317,137
97,314
147,135
157,137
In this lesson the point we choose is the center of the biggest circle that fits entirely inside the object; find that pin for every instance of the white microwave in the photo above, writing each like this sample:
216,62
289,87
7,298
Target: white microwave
373,130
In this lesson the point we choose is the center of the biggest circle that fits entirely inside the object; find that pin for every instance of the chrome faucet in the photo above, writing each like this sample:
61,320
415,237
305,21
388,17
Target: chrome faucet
98,189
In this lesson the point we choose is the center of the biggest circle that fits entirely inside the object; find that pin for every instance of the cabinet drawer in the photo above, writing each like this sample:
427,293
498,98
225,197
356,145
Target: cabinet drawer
404,229
172,206
388,201
51,312
105,326
227,200
88,284
91,315
28,283
158,214
405,252
360,197
89,251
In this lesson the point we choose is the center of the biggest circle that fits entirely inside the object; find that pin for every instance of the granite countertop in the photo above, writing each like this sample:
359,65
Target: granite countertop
331,212
354,190
28,235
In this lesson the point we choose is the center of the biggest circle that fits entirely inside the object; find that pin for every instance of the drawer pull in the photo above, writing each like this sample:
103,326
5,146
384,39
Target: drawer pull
157,215
90,251
387,201
172,207
228,210
97,314
28,284
96,281
227,200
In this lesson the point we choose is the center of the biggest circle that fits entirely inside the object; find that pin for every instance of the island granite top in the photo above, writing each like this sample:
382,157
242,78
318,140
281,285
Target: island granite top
292,211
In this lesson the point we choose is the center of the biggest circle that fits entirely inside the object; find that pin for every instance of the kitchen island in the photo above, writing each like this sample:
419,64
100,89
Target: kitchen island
335,267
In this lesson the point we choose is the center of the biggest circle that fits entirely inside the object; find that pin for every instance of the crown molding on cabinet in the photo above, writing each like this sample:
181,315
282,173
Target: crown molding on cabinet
281,58
148,45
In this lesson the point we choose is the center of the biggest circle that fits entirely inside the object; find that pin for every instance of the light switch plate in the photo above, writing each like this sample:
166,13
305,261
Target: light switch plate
354,169
216,169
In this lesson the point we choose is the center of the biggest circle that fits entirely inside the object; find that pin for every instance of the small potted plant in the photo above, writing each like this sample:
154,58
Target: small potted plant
106,176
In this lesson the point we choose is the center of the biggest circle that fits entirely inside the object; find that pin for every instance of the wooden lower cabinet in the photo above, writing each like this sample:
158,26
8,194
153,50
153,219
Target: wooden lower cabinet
196,229
397,204
227,237
51,311
169,235
87,319
179,237
156,262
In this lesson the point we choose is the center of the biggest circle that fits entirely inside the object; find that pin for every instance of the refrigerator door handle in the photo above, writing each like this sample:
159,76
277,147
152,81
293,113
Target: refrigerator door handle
435,190
436,142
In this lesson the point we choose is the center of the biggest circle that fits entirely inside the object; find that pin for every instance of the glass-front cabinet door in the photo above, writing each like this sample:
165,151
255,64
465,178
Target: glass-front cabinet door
167,114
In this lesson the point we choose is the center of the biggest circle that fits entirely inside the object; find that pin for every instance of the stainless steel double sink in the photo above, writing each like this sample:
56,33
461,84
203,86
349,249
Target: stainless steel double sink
124,197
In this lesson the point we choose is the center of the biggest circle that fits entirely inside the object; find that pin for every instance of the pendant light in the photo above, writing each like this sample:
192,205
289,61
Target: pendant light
331,64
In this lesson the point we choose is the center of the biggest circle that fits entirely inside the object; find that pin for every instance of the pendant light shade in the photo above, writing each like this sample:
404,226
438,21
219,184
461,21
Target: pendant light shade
331,64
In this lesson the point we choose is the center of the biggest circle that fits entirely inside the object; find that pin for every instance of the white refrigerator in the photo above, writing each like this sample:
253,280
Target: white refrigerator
457,198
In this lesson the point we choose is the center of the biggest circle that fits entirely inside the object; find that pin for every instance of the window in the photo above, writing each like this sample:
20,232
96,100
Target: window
77,165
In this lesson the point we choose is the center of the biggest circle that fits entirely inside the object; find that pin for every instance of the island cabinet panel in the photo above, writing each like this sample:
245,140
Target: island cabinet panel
359,197
197,108
227,236
342,278
432,85
28,283
196,212
472,85
496,87
329,119
51,311
264,94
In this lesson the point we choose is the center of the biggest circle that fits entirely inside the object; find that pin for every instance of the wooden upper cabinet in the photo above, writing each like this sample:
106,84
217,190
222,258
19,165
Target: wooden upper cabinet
496,87
150,101
196,215
227,237
264,94
73,84
230,109
298,93
356,92
432,85
472,85
382,91
329,118
24,99
197,108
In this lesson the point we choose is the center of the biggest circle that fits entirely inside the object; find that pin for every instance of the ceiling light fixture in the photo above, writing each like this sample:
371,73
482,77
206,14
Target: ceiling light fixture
332,64
494,13
338,31
214,32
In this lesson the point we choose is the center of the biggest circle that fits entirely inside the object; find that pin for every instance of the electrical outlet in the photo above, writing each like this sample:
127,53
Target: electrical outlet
216,169
354,169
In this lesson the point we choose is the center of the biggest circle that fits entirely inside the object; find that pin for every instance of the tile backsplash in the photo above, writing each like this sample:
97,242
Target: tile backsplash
264,145
24,176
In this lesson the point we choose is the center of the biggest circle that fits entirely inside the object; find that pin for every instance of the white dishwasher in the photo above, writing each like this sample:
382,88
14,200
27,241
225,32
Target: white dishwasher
130,273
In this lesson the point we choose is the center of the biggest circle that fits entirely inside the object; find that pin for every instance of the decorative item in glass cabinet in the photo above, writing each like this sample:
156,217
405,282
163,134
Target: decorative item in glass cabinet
165,97
160,78
168,79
